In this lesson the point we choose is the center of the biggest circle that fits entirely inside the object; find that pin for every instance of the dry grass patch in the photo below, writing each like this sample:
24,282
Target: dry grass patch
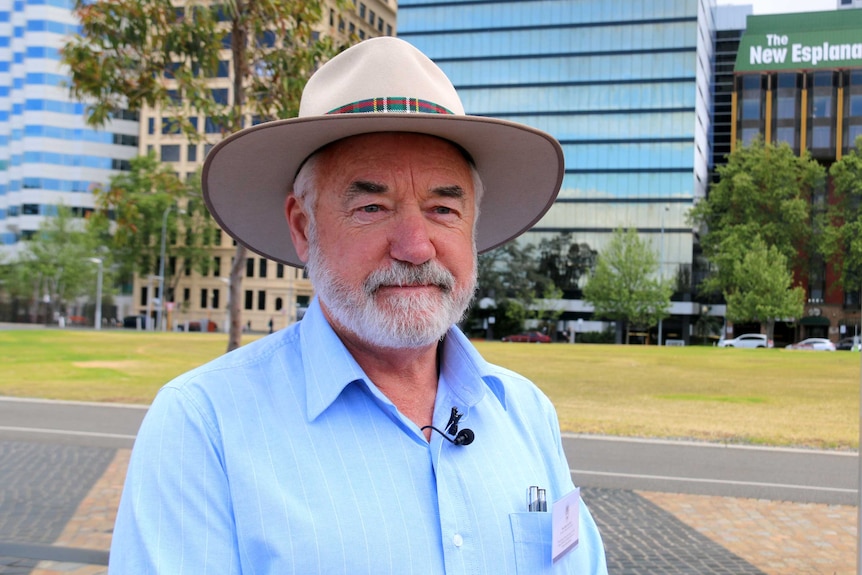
775,397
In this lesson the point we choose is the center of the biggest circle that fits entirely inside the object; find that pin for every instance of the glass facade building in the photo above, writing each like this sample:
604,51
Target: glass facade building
624,86
48,155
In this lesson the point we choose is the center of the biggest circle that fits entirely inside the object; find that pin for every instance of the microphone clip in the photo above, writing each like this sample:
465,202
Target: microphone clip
463,437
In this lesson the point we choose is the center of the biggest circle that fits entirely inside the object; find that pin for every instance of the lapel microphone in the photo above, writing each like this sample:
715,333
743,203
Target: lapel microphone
463,437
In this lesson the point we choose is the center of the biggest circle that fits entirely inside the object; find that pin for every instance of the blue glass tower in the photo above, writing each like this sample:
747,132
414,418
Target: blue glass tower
48,156
624,86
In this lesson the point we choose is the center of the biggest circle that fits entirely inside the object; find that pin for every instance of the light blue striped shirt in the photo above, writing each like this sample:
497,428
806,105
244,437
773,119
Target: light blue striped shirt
281,457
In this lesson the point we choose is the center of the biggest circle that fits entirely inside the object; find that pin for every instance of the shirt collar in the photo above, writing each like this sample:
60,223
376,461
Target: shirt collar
329,367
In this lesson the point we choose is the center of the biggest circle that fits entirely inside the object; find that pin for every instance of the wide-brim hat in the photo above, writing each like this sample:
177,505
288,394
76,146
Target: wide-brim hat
379,85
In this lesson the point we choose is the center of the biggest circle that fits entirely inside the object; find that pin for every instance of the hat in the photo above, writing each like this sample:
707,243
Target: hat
379,85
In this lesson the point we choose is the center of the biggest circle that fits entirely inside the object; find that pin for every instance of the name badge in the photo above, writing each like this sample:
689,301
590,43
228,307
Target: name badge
565,524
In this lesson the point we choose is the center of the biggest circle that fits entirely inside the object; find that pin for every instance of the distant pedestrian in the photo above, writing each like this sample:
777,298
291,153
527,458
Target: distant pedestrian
270,325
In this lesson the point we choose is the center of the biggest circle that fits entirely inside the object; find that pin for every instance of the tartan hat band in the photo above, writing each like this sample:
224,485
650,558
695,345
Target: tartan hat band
400,105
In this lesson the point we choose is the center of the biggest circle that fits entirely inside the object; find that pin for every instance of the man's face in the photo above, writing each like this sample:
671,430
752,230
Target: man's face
391,251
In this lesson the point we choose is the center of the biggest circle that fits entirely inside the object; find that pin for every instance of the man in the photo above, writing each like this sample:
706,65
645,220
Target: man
371,437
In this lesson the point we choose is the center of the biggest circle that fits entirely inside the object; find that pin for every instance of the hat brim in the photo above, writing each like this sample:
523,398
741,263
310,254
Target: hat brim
247,176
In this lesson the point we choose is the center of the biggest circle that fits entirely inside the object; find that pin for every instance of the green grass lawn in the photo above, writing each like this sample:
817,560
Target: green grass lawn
774,397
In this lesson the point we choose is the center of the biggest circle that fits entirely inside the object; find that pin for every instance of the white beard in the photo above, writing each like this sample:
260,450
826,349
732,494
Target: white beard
411,321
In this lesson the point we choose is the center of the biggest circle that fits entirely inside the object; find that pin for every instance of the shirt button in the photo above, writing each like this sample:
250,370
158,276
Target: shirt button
458,540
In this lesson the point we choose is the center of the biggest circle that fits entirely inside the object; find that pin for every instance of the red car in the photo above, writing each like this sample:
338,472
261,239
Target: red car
529,336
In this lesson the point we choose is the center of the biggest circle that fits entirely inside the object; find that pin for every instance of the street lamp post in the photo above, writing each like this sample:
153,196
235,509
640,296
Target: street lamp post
149,325
227,307
98,317
661,262
161,276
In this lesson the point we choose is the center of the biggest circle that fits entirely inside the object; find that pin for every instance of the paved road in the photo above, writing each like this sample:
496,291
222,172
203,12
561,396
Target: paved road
70,423
799,475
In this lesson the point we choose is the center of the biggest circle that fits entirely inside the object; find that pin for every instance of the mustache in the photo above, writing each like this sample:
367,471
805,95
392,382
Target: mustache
403,274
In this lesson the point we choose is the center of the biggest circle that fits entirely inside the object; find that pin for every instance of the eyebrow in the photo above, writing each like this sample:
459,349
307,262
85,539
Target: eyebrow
455,191
362,188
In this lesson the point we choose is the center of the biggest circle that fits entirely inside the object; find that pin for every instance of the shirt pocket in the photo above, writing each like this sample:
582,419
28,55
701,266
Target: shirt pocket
531,537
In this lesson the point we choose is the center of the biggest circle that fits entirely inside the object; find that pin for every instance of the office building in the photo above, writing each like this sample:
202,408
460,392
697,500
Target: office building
48,155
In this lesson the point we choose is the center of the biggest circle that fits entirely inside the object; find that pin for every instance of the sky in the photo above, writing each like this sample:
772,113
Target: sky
785,6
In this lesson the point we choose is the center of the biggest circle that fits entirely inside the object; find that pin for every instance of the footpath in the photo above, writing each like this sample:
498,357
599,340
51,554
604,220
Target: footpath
645,533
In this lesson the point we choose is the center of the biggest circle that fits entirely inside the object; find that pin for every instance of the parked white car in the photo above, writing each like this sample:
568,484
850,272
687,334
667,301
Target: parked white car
747,340
813,344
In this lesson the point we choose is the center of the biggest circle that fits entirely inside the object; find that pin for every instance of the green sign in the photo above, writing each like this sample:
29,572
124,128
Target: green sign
812,40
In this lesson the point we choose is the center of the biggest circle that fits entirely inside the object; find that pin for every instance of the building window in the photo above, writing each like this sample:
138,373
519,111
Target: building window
362,10
261,268
279,304
171,153
170,127
751,109
187,294
151,126
748,135
220,96
371,17
261,300
821,137
279,270
216,266
143,295
821,106
786,134
853,132
211,127
249,299
215,299
816,280
192,153
786,108
204,301
249,268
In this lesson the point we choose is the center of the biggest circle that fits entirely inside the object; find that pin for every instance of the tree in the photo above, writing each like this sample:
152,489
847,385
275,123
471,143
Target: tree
507,275
138,201
55,265
762,287
150,53
625,285
763,191
842,229
564,262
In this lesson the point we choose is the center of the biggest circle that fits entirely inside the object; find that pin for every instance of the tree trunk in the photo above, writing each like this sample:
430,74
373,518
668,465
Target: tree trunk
236,274
770,329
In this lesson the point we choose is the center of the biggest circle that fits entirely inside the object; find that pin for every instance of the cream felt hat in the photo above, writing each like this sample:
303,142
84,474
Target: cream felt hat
379,85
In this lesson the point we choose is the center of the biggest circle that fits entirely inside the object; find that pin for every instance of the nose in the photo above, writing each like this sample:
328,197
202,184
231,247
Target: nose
411,239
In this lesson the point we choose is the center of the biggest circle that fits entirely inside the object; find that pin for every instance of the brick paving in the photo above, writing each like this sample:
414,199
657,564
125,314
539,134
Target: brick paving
645,533
779,538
